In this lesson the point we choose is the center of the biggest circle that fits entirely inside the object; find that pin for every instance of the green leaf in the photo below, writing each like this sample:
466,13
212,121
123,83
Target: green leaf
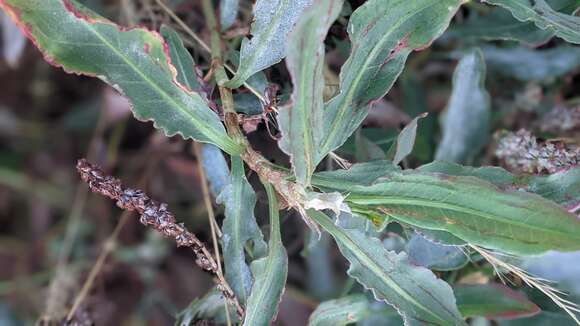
270,272
181,60
465,123
562,187
414,291
133,61
210,306
302,123
340,312
228,13
239,228
472,209
544,318
499,24
435,256
359,174
540,13
273,20
216,169
405,141
493,301
383,33
525,64
487,300
366,149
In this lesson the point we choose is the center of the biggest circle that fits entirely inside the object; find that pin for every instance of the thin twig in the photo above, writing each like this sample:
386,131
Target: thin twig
156,215
108,247
52,309
210,216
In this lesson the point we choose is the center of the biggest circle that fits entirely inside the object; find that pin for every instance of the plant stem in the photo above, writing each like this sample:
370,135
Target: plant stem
291,192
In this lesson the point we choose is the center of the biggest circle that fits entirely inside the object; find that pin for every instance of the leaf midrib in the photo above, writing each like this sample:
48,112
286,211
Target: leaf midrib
393,200
368,262
260,47
353,86
210,133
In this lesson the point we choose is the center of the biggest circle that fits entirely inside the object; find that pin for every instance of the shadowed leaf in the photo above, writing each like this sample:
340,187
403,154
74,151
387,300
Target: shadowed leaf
493,301
269,272
239,228
435,256
540,13
340,312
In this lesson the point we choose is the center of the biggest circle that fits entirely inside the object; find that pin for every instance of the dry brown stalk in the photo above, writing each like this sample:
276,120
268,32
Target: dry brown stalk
156,215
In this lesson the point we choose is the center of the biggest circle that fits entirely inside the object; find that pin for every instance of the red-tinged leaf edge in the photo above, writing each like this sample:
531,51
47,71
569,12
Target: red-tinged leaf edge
532,310
90,17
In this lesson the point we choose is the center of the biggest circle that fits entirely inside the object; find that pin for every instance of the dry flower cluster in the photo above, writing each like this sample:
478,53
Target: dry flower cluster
156,215
520,151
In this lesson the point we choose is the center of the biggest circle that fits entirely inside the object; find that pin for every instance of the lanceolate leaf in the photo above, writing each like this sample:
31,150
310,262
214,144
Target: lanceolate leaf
405,141
181,60
414,291
134,61
302,123
273,20
562,187
540,13
500,24
269,272
239,228
486,300
466,121
383,33
472,209
344,311
493,301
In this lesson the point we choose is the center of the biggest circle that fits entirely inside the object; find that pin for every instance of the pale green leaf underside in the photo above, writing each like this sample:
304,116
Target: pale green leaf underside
414,291
540,13
270,272
239,228
383,33
273,20
339,312
465,125
133,61
405,141
302,123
